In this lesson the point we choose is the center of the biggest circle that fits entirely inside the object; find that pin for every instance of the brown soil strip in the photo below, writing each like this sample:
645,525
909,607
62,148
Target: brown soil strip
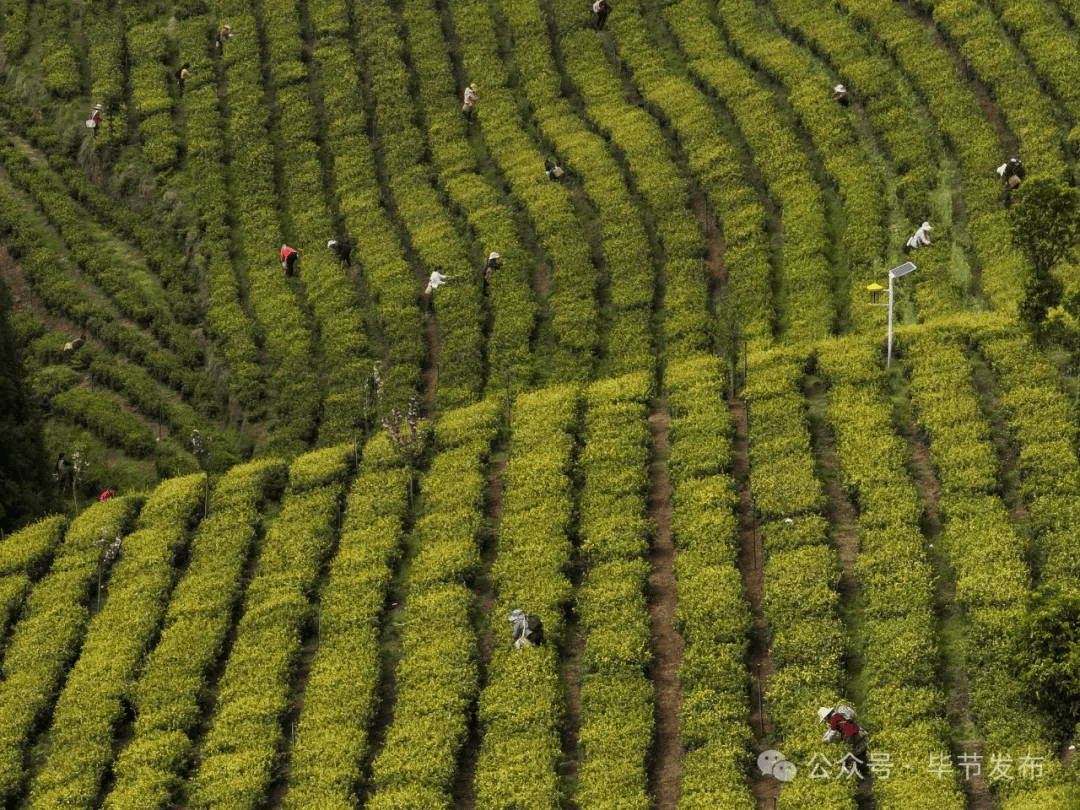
464,795
751,565
668,646
570,673
842,517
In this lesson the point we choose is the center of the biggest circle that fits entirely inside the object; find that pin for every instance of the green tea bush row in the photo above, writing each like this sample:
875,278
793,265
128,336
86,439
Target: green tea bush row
162,254
204,140
14,589
140,390
801,574
616,721
117,639
52,281
239,755
1043,36
656,178
984,550
627,256
102,413
575,317
713,162
832,131
47,637
964,127
392,286
125,284
16,36
521,707
1027,110
149,77
881,92
342,691
104,31
29,550
886,99
432,233
784,166
437,679
329,291
174,676
1043,420
941,390
58,58
712,616
491,218
24,556
288,340
904,703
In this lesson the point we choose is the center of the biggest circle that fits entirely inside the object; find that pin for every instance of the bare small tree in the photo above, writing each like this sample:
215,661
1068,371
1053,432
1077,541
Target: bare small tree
405,435
110,549
79,465
200,447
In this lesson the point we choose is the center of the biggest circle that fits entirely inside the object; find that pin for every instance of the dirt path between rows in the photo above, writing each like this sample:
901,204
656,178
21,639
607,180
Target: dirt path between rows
751,565
843,520
464,793
668,646
957,707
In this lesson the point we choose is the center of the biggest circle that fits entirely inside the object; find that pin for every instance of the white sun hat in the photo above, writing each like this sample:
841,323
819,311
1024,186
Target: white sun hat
331,243
823,712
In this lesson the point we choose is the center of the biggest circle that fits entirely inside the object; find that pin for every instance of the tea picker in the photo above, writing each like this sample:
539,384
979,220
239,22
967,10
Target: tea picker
920,239
223,36
182,75
469,100
528,629
94,121
1012,171
494,262
342,250
288,260
842,726
601,8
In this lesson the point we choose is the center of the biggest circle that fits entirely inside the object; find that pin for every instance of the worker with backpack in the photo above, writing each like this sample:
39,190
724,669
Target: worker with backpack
528,629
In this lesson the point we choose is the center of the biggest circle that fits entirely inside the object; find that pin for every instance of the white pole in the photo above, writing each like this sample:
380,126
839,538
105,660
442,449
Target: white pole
888,361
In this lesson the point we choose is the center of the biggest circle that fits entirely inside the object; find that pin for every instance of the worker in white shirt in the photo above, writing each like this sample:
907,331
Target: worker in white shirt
469,101
435,281
920,239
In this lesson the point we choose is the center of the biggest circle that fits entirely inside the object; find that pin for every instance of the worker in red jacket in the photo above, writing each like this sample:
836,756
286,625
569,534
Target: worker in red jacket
288,260
841,722
107,494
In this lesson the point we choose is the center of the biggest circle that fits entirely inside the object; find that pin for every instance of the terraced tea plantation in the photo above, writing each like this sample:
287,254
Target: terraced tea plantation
666,423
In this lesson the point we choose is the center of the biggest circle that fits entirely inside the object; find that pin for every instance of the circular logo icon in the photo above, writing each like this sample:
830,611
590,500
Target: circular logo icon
784,771
767,760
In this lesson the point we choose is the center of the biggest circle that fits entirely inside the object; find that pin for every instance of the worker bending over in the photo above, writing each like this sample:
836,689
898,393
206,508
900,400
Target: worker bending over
920,239
528,630
288,260
842,726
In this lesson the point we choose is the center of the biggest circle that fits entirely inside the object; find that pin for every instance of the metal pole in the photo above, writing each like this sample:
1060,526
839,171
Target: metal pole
888,361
